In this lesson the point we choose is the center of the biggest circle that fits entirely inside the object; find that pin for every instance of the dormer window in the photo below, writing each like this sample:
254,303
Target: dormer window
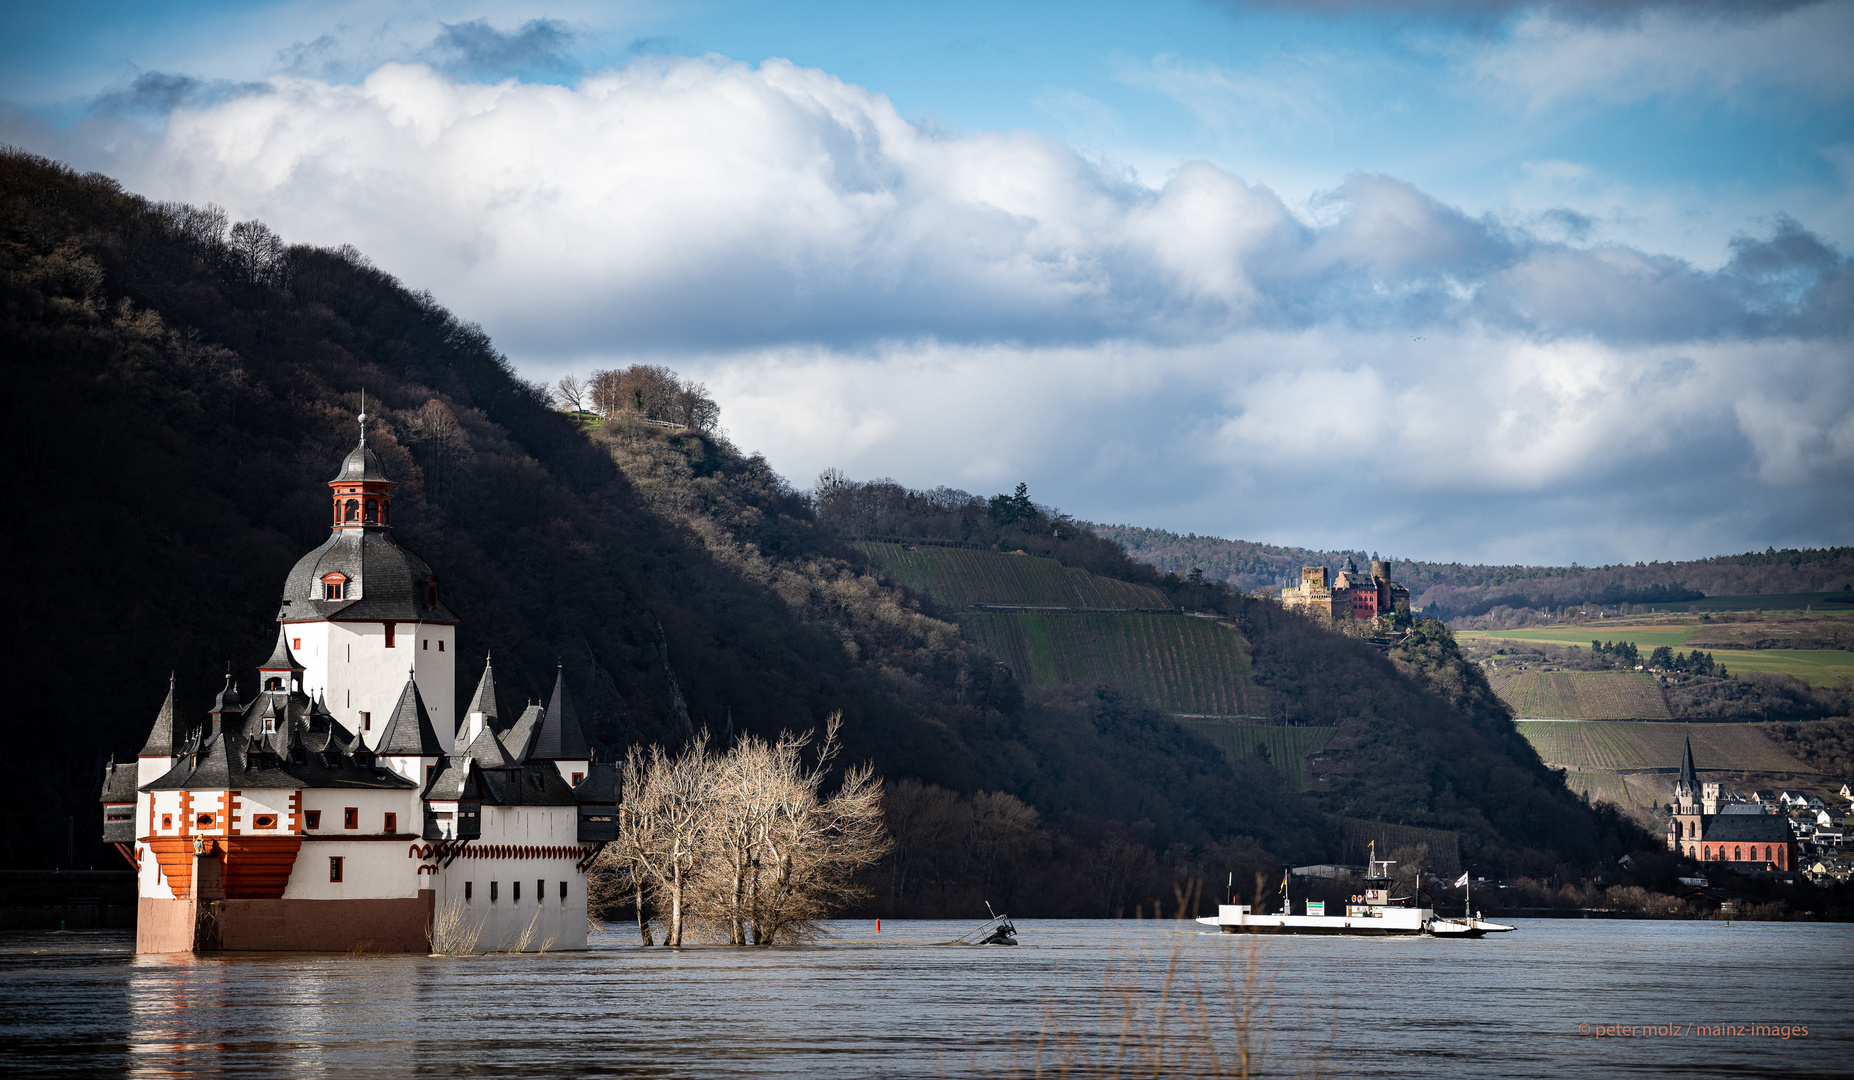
334,586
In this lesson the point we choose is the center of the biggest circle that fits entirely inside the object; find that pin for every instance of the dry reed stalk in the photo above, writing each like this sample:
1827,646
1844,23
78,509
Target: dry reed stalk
453,932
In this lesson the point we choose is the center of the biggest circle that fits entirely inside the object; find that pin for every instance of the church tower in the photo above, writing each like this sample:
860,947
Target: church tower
359,611
1685,824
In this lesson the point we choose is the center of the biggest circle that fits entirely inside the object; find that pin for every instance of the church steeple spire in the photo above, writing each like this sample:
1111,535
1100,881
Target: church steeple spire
1688,784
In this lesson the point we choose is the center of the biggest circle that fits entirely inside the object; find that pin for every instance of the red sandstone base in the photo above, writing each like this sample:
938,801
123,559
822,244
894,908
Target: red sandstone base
170,926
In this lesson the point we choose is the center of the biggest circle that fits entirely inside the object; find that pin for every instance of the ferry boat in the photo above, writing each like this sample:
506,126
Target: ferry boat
1372,913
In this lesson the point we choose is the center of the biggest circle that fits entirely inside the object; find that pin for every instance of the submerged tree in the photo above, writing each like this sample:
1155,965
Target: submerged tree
746,842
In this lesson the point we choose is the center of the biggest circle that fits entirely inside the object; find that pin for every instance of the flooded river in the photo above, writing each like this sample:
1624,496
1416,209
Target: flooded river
1550,1000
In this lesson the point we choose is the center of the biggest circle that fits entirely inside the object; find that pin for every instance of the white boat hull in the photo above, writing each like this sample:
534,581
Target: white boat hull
1375,922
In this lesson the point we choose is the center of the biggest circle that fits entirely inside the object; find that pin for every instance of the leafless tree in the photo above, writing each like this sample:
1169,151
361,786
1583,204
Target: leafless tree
571,393
665,810
443,448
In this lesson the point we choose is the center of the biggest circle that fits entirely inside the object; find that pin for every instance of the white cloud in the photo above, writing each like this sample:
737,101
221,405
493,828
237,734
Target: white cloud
983,308
1551,57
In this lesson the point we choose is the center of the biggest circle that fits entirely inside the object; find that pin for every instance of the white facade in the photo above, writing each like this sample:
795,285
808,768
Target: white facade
350,667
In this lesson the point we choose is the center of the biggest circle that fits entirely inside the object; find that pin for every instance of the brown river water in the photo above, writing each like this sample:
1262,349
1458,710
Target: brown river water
1557,998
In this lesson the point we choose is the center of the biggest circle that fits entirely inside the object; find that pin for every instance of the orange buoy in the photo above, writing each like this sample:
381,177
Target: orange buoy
878,926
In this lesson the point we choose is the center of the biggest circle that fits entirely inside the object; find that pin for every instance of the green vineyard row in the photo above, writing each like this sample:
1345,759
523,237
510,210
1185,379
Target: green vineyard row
1171,662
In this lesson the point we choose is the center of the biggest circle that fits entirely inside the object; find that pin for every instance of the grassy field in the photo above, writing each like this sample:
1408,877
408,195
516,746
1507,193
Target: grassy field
960,577
1282,747
1818,667
1625,745
1581,695
1645,637
1172,662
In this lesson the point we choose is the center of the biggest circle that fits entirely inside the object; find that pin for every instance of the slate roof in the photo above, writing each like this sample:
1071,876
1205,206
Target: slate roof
532,785
520,738
119,781
600,784
386,581
559,737
488,752
484,700
1689,780
161,741
281,659
1746,828
361,464
409,731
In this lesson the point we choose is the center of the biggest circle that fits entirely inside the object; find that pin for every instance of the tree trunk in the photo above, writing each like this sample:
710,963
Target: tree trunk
643,922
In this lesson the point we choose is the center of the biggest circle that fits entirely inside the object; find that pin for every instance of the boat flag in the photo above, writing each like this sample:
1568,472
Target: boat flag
1462,880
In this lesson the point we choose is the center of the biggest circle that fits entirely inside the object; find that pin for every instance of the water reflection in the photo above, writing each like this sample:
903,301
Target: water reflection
906,1004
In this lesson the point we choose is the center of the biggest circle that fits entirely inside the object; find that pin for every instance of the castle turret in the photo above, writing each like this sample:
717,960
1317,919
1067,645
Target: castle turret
410,745
281,672
157,755
482,712
353,607
560,739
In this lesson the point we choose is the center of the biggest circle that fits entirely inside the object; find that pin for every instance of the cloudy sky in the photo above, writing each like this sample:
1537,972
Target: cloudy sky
1507,282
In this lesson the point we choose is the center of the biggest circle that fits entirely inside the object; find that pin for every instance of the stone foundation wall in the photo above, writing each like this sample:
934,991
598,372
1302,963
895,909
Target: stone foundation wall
168,926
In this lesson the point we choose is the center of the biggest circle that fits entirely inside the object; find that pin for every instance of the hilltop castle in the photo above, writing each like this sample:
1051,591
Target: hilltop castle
1741,836
1351,596
344,805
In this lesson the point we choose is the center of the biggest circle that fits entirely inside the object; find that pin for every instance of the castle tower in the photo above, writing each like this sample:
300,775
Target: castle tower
359,610
157,755
482,712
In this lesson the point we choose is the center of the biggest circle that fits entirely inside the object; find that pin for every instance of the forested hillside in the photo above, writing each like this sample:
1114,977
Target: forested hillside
1453,591
182,387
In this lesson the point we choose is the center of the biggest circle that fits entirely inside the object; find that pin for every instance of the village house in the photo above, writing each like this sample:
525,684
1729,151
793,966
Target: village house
345,804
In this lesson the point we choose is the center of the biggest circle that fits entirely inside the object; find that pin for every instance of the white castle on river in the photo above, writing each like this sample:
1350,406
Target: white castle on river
345,804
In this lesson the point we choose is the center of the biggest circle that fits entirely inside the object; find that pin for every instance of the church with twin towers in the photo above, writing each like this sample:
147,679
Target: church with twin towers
344,802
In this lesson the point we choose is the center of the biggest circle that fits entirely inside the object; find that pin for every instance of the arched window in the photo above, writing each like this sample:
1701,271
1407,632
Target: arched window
1708,856
1766,852
350,510
334,587
373,510
273,683
1738,854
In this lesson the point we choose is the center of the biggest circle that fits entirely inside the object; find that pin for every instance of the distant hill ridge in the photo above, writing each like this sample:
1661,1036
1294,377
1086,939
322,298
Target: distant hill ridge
1456,590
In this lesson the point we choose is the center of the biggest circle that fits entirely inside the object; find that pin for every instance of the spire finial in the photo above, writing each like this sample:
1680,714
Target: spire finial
363,417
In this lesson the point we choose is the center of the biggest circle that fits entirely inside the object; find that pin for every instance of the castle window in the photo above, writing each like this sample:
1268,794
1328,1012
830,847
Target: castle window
392,823
334,586
389,634
468,890
515,893
270,722
563,892
350,817
425,644
167,821
264,821
493,890
440,644
350,511
577,777
373,510
204,822
296,644
334,868
314,819
366,720
540,891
